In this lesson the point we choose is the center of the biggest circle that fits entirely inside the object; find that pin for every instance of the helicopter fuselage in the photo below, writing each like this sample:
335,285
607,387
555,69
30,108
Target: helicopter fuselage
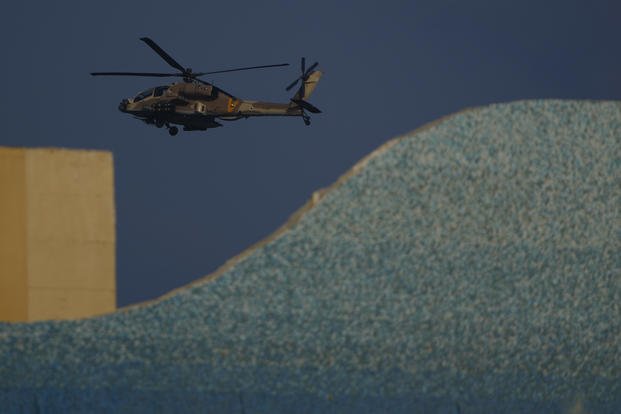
196,106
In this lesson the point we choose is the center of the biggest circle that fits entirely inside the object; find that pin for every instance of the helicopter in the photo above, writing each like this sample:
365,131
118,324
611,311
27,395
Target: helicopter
197,105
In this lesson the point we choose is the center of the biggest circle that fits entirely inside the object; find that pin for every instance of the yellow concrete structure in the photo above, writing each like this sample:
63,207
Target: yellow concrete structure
57,234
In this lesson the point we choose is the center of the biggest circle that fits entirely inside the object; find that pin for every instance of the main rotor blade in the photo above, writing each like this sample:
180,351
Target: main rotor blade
172,62
238,69
157,75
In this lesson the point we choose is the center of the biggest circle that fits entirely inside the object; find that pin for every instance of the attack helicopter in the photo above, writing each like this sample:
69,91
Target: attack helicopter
197,105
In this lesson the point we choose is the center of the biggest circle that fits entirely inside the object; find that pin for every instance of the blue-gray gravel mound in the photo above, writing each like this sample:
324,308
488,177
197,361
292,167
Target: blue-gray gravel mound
471,265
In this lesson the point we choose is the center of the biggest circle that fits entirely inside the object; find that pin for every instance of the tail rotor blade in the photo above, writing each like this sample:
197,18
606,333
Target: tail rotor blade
310,69
293,84
304,76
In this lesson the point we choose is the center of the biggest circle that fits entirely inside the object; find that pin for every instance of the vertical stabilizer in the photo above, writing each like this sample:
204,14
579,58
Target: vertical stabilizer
310,83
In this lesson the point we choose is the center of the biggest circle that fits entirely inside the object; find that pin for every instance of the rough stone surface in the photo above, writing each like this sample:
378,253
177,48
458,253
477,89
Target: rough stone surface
471,265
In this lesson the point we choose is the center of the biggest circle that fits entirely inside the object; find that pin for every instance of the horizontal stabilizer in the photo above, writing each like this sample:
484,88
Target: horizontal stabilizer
310,108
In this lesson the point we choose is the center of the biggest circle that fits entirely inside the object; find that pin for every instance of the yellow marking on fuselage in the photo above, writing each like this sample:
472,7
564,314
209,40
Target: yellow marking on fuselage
232,104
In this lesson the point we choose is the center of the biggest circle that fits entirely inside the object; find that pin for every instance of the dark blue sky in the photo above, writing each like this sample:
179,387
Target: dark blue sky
187,204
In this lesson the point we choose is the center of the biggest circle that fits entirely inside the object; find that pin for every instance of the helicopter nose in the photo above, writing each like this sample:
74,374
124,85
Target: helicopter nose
123,105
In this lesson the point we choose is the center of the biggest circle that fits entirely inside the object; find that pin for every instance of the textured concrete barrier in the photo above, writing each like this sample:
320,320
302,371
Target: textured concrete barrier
470,266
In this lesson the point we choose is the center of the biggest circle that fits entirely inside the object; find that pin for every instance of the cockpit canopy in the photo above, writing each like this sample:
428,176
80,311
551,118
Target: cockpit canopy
157,91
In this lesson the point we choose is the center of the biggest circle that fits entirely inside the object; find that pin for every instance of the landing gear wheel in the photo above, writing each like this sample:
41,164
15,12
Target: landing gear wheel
159,123
306,120
173,131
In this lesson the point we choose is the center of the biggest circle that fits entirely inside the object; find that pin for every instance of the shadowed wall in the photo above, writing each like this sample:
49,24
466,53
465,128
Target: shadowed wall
57,244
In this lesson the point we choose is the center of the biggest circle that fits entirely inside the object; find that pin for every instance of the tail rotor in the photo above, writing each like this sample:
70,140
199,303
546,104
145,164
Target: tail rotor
303,77
308,75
